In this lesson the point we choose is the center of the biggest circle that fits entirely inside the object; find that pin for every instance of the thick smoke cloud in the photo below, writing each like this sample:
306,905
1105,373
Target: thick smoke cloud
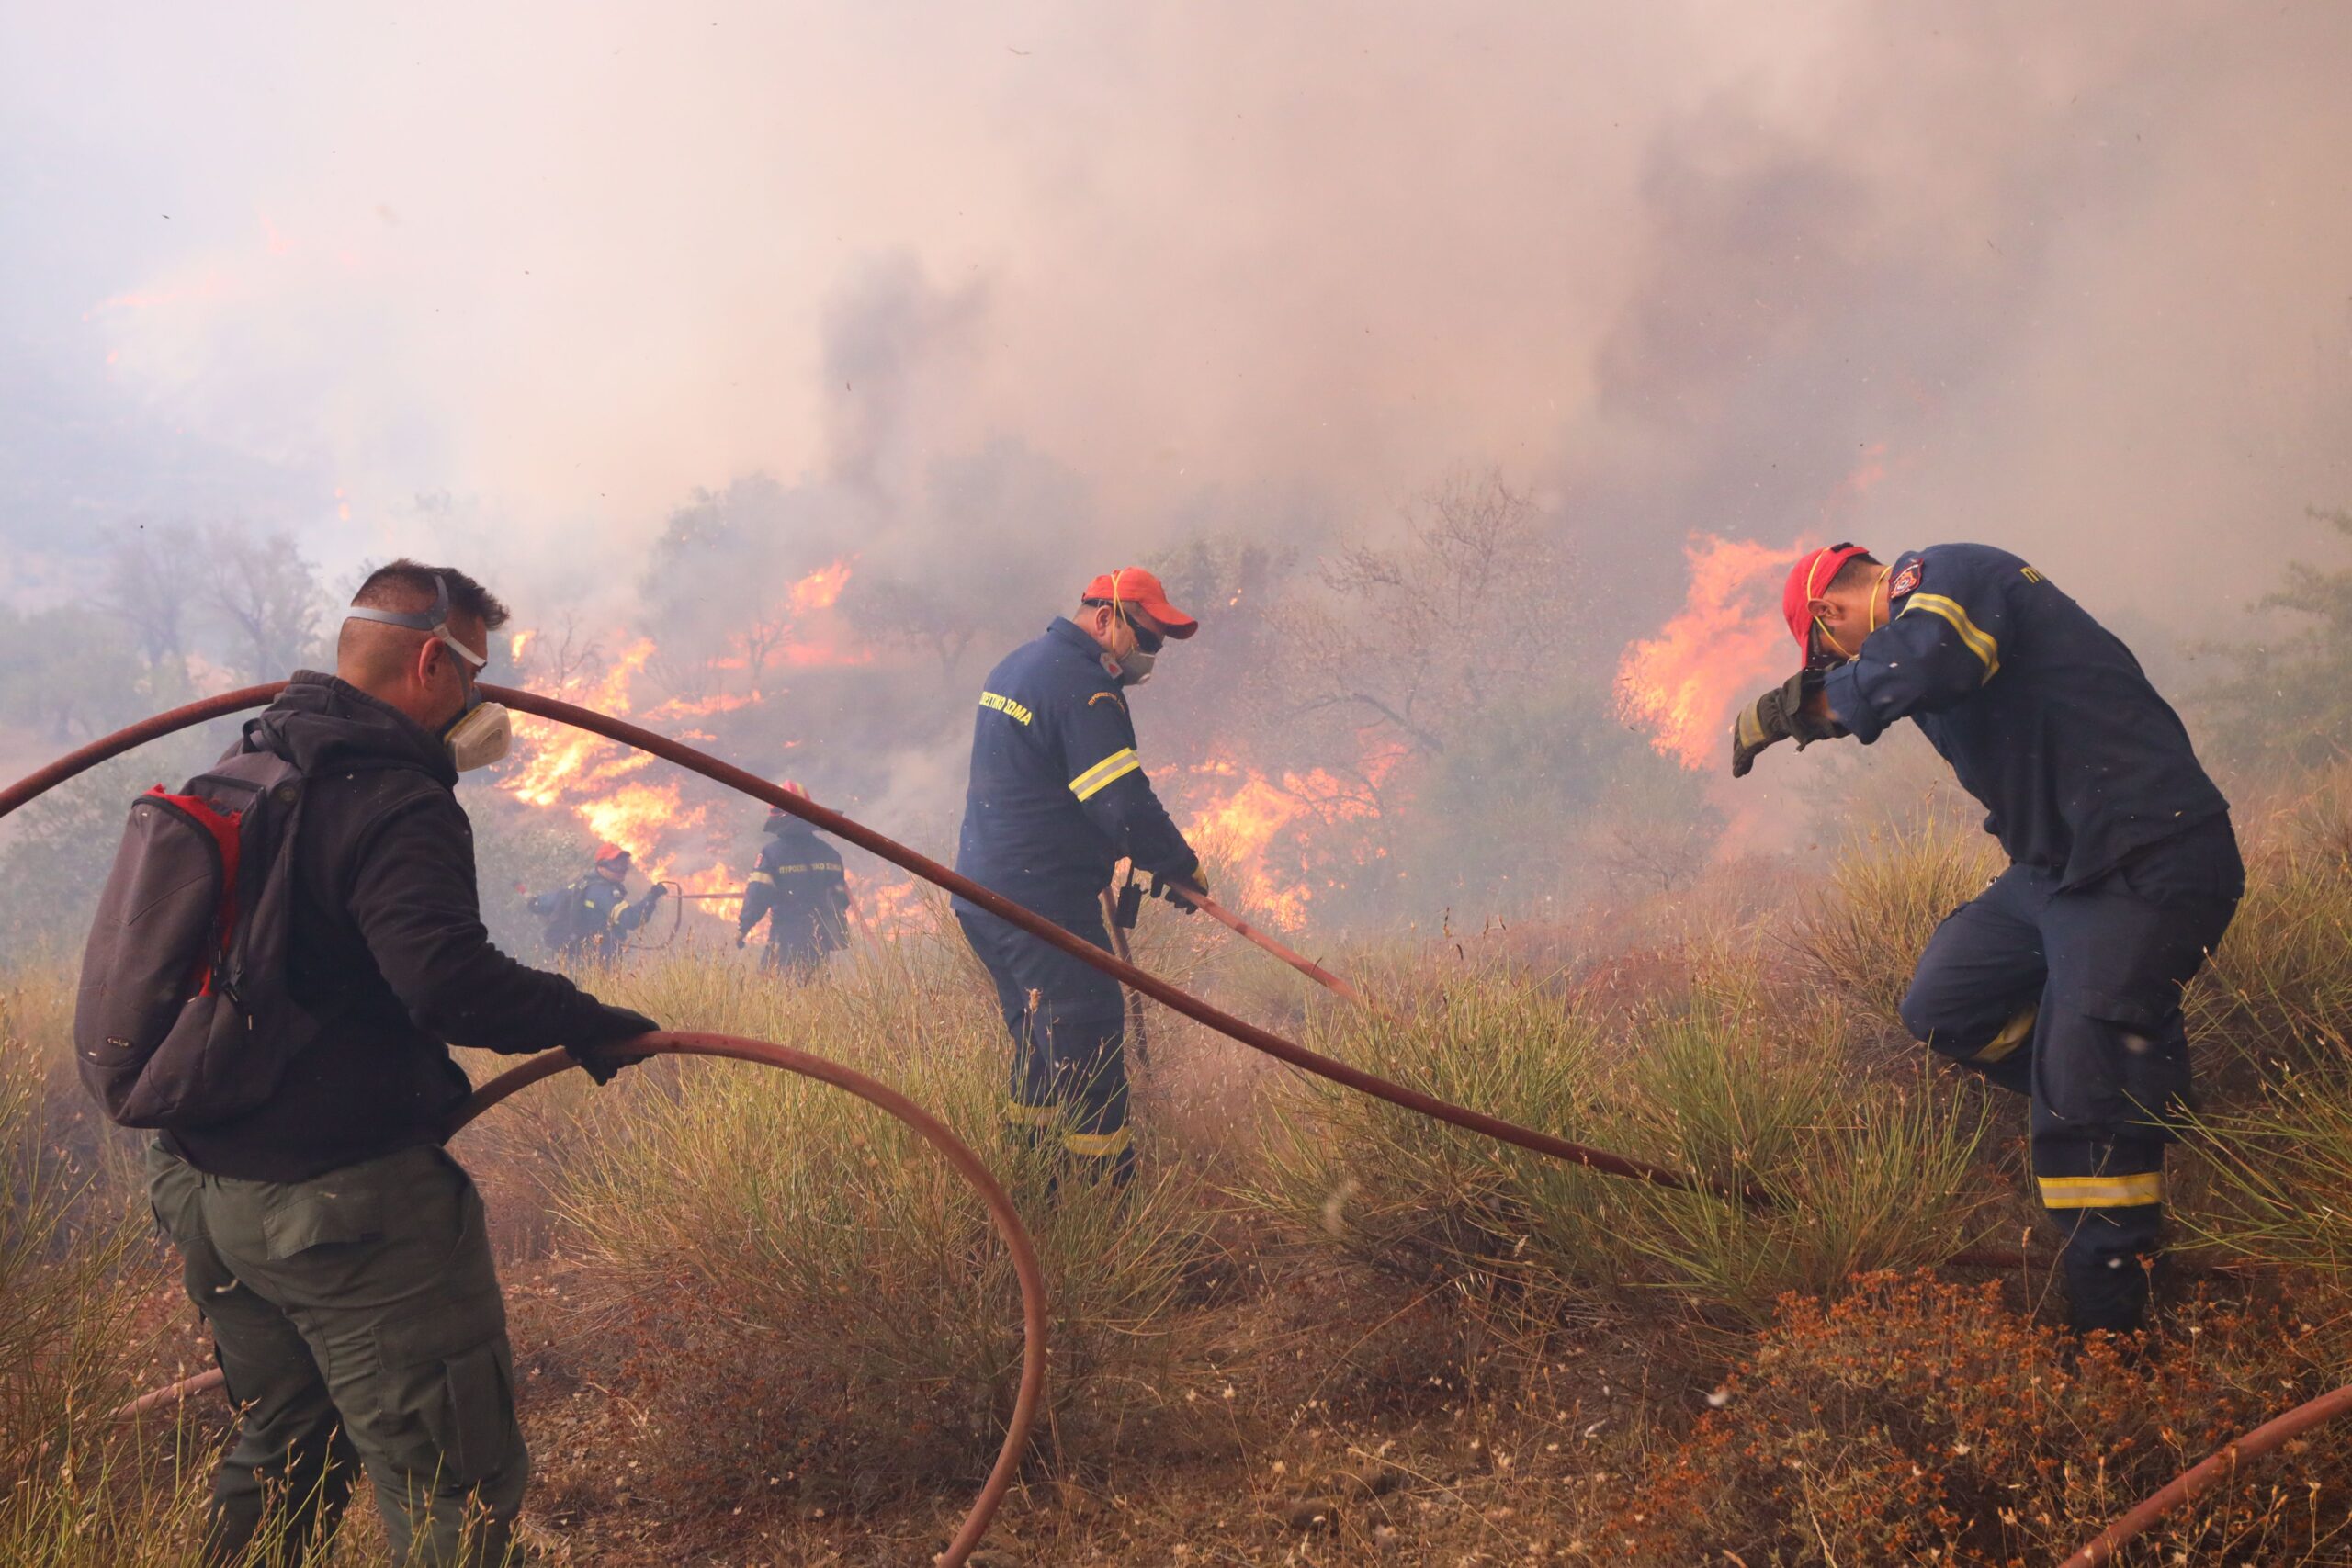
518,283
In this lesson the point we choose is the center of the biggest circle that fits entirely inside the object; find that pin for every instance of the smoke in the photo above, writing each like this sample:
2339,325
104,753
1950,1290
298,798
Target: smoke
641,313
2074,272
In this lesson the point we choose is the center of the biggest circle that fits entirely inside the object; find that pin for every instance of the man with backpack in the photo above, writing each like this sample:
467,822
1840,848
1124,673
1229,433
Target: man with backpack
595,916
338,1255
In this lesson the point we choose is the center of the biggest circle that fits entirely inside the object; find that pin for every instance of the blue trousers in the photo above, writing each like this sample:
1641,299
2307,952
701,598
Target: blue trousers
1069,1024
2071,997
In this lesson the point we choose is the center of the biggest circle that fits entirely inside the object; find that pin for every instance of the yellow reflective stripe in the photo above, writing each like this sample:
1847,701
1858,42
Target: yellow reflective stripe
1111,769
1021,1115
762,876
2014,1033
1980,643
1097,1146
2101,1191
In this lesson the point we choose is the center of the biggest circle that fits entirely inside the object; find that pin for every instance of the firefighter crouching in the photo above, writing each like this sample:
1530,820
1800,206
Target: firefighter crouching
1057,797
800,888
2062,980
593,917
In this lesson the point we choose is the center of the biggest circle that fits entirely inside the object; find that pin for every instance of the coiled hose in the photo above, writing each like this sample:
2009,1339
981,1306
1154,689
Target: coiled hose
958,1154
2190,1484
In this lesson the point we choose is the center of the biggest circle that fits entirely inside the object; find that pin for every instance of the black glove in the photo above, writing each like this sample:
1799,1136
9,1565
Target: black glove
661,890
1779,714
742,937
1173,889
602,1059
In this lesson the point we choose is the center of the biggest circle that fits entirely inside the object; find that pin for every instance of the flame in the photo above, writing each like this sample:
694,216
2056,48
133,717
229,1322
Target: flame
714,878
1275,838
892,908
700,707
821,588
518,645
1728,642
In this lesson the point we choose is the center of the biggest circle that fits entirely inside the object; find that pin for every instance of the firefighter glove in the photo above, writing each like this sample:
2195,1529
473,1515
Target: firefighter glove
1173,889
603,1059
1779,714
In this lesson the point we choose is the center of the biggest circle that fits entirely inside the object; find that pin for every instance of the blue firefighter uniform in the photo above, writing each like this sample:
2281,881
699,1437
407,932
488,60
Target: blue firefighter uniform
593,915
1057,797
801,889
2062,980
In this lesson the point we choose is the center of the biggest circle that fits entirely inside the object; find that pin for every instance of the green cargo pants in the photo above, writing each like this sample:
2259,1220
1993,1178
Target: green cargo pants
358,1321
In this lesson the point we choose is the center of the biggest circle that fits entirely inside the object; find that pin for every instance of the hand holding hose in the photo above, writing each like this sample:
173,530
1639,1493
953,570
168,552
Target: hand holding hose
603,1059
1184,893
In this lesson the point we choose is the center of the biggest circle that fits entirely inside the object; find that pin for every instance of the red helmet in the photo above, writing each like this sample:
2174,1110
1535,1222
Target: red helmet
1807,580
611,854
789,786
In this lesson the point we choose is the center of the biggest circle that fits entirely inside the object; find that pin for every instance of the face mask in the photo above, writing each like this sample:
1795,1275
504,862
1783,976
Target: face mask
1133,667
480,737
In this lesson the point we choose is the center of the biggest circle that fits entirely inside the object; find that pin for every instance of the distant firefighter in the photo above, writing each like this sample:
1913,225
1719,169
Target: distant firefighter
2061,981
801,890
593,917
1058,797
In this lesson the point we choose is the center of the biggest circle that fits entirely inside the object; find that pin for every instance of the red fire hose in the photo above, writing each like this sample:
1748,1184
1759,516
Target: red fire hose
2210,1472
1127,973
931,870
957,1154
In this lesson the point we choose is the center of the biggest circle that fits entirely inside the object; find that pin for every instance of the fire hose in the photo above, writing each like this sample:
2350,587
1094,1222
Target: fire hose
1139,980
958,1154
964,887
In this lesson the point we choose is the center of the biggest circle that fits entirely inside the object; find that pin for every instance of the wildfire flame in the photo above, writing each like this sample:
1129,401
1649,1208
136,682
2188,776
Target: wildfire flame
820,588
1275,839
1728,642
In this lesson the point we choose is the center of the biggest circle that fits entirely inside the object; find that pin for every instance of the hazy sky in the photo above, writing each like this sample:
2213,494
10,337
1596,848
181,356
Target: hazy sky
514,279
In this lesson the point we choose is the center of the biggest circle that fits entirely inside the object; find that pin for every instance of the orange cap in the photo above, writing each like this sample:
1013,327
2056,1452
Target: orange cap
1133,585
607,853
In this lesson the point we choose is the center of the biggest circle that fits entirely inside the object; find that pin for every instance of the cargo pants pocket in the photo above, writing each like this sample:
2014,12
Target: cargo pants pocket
449,1393
2114,1066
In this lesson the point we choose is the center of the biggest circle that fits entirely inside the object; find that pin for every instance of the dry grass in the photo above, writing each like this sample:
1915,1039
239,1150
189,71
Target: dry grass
1862,1170
757,1324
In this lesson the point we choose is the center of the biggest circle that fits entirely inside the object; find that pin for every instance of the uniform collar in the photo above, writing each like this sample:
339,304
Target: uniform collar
1064,629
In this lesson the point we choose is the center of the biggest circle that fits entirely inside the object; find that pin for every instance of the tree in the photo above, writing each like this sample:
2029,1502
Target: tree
2291,698
147,588
264,597
70,675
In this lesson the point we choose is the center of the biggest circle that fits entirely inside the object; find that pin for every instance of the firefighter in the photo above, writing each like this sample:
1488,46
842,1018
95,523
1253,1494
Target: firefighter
593,917
800,887
2061,981
1057,797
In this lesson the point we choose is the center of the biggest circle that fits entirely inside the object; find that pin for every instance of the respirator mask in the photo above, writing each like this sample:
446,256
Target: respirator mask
1133,667
482,731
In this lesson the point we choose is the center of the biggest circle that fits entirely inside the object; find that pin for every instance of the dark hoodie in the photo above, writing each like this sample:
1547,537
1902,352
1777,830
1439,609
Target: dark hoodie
387,948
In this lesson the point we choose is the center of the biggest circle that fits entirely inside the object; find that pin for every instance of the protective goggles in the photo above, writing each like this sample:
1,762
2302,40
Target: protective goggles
435,621
1147,639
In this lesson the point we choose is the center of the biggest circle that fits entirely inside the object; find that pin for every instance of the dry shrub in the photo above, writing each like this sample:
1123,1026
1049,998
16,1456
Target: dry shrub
76,1486
1914,1421
1892,887
2280,987
1859,1170
851,1262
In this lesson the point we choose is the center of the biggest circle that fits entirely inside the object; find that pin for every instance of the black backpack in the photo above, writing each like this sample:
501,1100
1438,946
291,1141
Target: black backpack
183,1019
